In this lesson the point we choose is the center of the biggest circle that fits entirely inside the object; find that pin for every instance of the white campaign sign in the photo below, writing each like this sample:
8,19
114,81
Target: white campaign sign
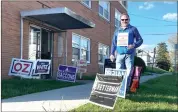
21,67
122,39
114,72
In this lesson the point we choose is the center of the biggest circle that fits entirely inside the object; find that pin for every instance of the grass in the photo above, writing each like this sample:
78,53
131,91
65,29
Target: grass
157,95
149,71
16,87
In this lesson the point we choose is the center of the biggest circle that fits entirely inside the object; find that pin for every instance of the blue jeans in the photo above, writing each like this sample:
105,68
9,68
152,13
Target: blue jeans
125,61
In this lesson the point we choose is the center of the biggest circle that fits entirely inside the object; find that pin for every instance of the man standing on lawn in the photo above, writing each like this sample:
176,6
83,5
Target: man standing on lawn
125,40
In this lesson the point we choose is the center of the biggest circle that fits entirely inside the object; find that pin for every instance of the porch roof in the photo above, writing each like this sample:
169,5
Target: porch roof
62,18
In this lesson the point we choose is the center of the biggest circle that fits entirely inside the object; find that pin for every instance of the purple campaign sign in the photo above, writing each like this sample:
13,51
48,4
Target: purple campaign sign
66,73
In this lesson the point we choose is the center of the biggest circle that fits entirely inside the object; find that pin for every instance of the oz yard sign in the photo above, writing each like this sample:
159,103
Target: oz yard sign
21,67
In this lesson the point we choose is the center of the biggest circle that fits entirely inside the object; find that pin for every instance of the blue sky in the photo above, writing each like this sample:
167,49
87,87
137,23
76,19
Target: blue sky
162,12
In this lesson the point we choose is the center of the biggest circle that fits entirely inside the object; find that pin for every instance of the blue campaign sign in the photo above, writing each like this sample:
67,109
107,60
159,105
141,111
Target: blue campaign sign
66,73
42,66
122,90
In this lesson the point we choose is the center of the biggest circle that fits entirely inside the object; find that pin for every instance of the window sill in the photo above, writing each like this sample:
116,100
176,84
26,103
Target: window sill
100,63
89,7
104,18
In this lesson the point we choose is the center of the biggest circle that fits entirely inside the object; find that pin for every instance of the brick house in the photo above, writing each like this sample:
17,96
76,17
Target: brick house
59,31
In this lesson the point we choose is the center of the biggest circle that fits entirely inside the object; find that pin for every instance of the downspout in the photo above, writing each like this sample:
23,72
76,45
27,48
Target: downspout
21,37
66,50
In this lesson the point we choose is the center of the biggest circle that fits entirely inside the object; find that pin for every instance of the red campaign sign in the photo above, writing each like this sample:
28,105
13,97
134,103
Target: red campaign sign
21,67
82,63
82,66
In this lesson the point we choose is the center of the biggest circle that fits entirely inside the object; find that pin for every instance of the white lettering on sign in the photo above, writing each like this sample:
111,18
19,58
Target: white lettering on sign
114,72
65,75
107,88
42,67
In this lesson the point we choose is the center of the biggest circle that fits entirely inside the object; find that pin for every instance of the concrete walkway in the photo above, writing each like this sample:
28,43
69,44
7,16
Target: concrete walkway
63,99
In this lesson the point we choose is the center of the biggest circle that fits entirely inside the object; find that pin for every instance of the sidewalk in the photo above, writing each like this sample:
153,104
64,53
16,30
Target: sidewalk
63,99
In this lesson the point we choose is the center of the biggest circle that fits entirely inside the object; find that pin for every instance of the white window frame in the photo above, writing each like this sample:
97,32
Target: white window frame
102,15
121,2
80,37
116,11
88,6
103,45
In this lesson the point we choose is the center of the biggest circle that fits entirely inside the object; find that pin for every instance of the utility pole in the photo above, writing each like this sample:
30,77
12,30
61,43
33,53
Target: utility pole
175,57
154,57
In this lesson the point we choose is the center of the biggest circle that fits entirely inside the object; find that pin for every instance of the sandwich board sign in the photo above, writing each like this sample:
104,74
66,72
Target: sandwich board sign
119,72
105,89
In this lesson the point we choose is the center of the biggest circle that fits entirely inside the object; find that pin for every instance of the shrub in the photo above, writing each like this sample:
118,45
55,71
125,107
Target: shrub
140,62
163,65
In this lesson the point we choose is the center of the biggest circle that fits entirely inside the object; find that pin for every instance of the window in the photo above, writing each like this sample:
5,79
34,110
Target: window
103,53
124,3
104,9
117,18
34,43
80,48
87,3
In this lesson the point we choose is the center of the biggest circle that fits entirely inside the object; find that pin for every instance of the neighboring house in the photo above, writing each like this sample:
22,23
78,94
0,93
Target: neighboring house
60,31
147,57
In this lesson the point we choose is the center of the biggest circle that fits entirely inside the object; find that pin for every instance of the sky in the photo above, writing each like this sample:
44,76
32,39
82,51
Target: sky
163,20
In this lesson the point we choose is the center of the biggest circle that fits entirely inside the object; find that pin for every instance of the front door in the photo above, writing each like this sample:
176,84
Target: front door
34,44
40,45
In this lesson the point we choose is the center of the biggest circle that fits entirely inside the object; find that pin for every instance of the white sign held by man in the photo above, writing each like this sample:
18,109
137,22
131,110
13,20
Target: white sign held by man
122,39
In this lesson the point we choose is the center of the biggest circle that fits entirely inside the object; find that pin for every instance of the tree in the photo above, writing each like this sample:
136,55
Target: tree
171,42
162,58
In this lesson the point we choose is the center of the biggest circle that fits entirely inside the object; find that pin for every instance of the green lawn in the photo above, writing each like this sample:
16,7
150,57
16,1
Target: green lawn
155,95
149,71
17,87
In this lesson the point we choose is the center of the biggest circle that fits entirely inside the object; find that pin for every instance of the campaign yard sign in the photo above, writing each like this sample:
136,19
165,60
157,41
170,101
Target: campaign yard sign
136,79
21,67
105,89
82,66
119,72
114,72
66,73
42,66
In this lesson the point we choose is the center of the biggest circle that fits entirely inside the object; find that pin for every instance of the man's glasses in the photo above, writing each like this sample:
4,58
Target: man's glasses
124,19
